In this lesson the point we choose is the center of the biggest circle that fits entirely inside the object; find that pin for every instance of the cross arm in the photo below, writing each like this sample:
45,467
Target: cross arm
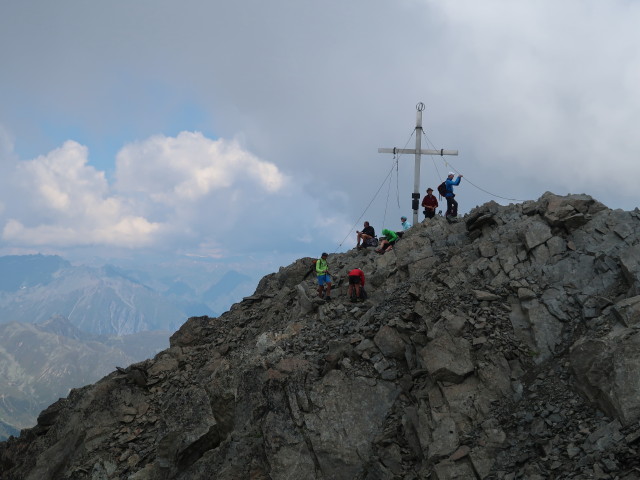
413,150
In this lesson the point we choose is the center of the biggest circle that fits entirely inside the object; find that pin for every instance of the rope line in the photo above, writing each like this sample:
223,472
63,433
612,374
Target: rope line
386,205
465,177
397,179
397,186
396,157
367,207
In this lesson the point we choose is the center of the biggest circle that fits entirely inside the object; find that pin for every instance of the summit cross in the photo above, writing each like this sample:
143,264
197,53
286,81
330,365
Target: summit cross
415,196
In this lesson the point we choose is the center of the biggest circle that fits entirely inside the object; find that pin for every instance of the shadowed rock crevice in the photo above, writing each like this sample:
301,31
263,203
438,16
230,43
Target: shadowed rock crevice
223,408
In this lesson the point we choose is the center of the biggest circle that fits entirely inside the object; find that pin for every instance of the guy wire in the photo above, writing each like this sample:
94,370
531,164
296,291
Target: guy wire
395,164
466,179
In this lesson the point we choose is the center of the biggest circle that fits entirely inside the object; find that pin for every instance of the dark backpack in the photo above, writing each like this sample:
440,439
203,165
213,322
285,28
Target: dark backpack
312,268
370,242
442,189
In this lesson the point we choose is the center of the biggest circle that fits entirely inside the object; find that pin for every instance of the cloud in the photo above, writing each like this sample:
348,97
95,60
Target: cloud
205,191
189,167
187,193
60,200
536,96
548,100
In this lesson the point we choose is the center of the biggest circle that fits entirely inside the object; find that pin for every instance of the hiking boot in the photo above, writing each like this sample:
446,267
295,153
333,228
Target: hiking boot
328,299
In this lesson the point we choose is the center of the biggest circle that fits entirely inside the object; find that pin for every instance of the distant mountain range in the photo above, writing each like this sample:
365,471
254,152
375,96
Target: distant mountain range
106,300
40,363
63,326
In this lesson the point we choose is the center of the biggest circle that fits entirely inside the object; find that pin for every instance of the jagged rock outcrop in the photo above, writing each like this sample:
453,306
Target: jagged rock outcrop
503,346
41,362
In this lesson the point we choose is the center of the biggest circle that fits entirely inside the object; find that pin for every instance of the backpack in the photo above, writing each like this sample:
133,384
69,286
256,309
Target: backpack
370,242
312,269
442,189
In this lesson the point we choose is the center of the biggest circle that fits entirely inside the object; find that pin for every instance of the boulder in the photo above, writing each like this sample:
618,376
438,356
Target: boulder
535,233
607,372
630,262
346,412
446,358
390,342
628,311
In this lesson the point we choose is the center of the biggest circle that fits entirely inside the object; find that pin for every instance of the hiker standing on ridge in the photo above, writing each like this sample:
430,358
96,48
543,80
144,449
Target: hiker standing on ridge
367,234
452,205
430,203
322,272
356,280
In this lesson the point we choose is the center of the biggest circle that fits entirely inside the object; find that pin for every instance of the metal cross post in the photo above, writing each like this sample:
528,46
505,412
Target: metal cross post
415,197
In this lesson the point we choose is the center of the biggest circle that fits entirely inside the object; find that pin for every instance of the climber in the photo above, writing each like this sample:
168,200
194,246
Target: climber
366,236
322,272
356,282
388,241
405,226
429,203
452,204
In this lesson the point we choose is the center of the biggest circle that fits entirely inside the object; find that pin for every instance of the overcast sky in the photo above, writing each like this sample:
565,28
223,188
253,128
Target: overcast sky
225,129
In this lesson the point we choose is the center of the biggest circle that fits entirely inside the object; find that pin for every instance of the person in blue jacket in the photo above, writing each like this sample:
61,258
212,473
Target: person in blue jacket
452,204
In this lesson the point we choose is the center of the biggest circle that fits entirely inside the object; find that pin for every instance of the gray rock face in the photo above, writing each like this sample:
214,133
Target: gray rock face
40,363
630,261
607,372
504,346
350,411
627,311
447,359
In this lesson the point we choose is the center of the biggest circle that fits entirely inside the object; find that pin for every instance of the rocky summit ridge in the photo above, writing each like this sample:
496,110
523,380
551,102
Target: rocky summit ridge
503,346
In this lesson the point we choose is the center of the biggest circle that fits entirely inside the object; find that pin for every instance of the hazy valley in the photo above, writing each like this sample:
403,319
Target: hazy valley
63,326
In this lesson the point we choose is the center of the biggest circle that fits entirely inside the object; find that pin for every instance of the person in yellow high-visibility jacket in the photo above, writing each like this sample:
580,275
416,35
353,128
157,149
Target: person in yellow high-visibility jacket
322,272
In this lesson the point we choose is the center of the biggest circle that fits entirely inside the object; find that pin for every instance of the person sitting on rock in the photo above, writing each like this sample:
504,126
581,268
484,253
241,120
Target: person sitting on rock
388,241
365,236
356,281
322,273
405,226
429,203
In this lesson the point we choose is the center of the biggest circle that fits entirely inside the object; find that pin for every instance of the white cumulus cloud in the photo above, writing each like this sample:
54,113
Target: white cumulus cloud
64,201
187,193
190,166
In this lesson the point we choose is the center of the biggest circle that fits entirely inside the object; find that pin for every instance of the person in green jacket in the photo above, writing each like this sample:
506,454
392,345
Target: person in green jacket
389,240
322,272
